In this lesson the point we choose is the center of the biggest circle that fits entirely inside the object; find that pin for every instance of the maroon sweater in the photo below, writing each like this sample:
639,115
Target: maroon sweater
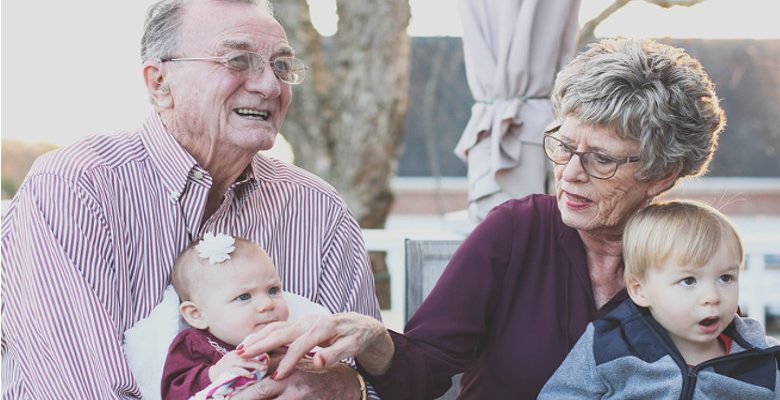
510,305
190,356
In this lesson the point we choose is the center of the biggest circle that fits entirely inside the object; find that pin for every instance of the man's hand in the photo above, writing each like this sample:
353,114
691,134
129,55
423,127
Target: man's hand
306,382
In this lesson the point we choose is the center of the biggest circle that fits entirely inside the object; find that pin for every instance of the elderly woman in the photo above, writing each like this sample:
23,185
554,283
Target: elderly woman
634,117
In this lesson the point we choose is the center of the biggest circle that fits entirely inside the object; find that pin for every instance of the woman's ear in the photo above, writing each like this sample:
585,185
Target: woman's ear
192,315
664,184
636,291
156,84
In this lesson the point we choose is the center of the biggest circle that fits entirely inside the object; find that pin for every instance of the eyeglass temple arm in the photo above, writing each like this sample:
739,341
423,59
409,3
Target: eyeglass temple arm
191,58
556,126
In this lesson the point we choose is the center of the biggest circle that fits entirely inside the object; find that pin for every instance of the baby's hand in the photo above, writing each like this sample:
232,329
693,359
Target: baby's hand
234,364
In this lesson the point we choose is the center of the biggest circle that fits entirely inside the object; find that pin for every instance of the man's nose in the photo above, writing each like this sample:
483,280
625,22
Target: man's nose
263,80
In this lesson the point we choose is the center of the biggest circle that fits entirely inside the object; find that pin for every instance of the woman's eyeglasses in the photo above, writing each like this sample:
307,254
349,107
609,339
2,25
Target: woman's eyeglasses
597,165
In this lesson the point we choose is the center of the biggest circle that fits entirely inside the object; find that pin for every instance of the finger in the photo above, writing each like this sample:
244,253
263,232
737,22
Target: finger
267,329
286,367
261,390
241,372
319,360
302,346
339,350
296,351
254,366
271,337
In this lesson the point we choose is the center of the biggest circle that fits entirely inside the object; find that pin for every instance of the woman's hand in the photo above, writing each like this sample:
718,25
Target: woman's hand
232,363
340,336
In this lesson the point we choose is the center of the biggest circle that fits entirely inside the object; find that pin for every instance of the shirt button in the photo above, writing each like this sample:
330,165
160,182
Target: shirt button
198,175
173,195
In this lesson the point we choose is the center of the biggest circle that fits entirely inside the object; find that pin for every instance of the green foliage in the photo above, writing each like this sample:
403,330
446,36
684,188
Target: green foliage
9,187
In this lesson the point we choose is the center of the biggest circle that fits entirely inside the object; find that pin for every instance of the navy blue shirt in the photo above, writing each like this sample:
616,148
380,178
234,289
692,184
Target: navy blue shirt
510,305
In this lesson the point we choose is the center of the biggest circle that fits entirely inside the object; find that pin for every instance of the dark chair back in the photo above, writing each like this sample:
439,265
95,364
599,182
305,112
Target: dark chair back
425,261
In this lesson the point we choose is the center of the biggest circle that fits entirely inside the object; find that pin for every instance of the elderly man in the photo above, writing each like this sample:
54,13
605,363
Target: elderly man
90,238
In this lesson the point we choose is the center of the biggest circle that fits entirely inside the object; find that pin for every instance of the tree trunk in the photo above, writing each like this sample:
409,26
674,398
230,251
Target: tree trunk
346,122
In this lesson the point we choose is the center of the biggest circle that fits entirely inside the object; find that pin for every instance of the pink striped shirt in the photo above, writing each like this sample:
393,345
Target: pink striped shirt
90,239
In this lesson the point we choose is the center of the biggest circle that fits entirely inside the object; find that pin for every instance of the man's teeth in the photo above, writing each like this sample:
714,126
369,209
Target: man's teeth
252,113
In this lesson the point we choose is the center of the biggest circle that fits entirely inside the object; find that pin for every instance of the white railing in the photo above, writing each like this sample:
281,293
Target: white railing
391,241
759,285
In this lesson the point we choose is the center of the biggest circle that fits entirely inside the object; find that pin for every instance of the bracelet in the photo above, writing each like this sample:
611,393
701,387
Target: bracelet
363,388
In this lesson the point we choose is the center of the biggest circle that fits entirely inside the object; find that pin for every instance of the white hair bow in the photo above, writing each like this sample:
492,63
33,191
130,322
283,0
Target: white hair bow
216,247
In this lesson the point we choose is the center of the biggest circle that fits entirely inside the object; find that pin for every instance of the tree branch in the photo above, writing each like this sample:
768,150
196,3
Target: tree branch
586,33
672,3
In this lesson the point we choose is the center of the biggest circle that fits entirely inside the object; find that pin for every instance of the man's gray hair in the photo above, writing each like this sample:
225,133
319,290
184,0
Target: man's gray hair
163,20
655,94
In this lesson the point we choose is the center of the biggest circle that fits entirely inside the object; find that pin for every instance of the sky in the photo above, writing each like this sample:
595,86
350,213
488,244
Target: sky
67,74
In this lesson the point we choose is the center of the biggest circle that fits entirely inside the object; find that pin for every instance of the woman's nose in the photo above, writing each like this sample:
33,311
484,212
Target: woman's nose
572,170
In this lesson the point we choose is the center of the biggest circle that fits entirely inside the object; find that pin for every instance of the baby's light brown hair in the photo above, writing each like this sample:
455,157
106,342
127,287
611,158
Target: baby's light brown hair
189,266
689,230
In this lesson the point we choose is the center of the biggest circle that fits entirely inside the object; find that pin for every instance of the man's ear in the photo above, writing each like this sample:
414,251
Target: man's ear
637,292
157,85
192,315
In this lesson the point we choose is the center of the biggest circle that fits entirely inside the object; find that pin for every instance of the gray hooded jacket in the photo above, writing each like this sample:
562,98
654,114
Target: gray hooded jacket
628,355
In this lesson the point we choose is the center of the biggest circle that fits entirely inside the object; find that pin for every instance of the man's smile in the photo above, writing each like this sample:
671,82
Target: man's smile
252,113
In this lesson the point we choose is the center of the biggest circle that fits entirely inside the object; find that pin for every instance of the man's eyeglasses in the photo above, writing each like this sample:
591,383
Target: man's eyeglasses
288,69
597,165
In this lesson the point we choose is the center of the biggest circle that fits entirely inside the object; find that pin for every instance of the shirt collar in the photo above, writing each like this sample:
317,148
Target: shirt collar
175,164
172,161
256,171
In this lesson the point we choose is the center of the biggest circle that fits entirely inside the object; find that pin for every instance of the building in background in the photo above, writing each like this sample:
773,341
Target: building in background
431,179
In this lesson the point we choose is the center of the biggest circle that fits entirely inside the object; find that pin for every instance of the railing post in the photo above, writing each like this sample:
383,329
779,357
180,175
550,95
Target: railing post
392,243
396,262
756,288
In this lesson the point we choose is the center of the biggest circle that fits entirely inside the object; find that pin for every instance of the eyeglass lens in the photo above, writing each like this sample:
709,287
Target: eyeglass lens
595,164
288,69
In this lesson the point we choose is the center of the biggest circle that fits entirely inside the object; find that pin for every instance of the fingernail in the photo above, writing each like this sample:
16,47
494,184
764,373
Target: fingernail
240,347
273,376
240,352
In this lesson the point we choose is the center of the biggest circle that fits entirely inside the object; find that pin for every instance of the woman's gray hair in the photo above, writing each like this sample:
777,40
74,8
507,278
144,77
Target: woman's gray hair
163,19
655,94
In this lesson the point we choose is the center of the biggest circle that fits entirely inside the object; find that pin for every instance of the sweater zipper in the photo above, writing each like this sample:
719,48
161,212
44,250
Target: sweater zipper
690,375
689,383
